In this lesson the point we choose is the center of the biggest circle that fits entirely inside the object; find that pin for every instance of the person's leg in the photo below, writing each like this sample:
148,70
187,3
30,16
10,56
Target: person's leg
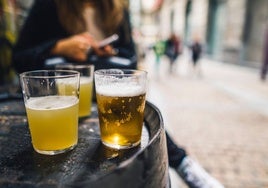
170,65
264,71
188,169
173,64
175,154
198,68
157,65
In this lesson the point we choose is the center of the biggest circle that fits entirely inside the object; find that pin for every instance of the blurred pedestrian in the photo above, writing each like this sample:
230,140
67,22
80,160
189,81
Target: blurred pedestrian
173,50
196,49
73,30
265,58
159,49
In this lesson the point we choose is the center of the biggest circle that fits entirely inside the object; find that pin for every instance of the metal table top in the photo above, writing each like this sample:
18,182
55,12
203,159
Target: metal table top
89,164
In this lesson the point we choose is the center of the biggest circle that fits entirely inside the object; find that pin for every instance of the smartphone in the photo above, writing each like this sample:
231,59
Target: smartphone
108,40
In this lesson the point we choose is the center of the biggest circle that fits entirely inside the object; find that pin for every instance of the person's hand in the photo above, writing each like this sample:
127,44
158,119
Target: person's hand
107,50
75,47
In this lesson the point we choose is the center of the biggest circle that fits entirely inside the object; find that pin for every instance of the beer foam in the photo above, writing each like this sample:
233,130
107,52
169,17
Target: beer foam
51,102
69,81
120,89
85,80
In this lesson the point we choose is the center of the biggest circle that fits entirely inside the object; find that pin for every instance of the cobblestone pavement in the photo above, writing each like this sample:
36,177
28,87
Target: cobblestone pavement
220,117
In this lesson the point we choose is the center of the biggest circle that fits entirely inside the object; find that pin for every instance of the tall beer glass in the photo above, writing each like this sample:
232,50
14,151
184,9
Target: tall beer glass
51,100
121,103
86,86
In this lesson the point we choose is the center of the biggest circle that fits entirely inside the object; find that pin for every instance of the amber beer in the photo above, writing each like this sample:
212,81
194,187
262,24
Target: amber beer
121,110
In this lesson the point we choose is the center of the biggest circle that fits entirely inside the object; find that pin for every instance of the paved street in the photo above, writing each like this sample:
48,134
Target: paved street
220,117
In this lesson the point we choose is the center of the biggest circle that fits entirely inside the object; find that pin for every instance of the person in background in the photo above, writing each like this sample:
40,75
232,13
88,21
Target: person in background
196,49
265,58
159,50
173,49
72,29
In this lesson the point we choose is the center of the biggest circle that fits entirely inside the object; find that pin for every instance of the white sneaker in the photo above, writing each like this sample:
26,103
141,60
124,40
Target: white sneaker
195,176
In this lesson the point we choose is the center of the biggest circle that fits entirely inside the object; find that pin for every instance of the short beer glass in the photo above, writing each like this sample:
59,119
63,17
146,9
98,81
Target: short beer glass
51,100
121,102
86,86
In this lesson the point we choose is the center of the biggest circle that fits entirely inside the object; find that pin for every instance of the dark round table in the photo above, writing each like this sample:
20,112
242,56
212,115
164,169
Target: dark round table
90,164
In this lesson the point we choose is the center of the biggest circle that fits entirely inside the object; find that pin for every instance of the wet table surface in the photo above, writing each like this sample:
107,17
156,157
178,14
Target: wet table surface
90,163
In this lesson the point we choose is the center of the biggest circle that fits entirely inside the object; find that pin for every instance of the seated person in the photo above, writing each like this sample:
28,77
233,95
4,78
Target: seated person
72,30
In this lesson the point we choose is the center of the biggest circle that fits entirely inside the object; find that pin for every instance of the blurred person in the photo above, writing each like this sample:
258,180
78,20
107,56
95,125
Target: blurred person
173,49
159,50
70,29
196,49
265,58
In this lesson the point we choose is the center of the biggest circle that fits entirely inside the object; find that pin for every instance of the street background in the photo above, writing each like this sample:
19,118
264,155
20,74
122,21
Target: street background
220,117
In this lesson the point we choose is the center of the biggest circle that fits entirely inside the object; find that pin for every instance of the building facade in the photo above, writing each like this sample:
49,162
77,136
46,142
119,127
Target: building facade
231,31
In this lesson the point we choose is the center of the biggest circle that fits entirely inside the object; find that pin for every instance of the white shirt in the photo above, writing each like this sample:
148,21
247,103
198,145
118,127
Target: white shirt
92,28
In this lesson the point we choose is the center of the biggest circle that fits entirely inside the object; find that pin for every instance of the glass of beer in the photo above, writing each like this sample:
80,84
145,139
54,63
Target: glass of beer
51,99
121,102
86,85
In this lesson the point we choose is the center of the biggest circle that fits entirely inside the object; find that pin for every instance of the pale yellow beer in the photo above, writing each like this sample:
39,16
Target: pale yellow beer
85,98
121,111
85,94
51,98
53,122
86,86
66,87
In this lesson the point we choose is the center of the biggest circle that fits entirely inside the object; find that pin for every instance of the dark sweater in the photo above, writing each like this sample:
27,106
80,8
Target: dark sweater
42,30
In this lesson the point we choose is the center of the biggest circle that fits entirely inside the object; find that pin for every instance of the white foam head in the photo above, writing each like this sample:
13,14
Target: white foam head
51,102
85,80
120,89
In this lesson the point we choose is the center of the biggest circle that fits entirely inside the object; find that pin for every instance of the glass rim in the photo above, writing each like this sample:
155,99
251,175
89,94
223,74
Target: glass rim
127,72
72,65
70,73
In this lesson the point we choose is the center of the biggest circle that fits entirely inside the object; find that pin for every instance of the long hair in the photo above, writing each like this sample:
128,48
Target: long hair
109,14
